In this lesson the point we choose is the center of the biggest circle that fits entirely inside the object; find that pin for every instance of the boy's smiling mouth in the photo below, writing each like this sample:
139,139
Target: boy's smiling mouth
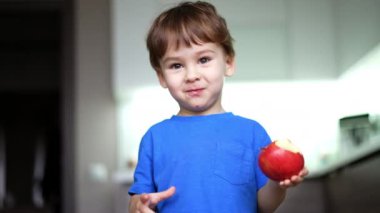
194,92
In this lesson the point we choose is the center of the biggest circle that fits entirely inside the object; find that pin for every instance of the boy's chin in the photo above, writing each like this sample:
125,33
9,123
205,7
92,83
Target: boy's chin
198,110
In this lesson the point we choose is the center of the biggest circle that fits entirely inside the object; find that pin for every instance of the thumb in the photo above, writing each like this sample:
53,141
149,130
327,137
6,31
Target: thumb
155,198
145,199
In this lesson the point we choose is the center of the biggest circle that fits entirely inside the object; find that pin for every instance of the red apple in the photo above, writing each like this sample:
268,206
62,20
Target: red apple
281,160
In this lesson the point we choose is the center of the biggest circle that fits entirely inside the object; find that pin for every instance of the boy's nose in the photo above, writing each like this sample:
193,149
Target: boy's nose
192,74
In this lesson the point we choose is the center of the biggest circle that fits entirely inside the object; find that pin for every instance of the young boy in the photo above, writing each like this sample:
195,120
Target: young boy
203,159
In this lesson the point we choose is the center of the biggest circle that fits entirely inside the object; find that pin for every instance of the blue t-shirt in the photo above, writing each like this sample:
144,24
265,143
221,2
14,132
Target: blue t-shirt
210,159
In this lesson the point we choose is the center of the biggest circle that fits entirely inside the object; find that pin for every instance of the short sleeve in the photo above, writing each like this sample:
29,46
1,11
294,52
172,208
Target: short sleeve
143,177
262,139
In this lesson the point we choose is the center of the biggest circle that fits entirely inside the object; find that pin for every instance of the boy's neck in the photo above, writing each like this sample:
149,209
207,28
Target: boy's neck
207,112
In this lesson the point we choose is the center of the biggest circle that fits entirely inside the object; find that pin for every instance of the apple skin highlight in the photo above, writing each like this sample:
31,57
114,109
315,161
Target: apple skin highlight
280,161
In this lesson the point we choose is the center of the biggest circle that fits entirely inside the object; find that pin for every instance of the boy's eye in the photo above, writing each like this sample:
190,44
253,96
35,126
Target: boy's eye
175,66
204,60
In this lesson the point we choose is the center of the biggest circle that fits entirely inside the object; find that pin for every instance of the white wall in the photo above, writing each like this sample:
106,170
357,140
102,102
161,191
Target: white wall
311,37
94,109
357,28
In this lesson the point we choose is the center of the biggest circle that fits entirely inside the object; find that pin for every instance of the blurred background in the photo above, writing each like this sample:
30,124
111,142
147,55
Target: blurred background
77,93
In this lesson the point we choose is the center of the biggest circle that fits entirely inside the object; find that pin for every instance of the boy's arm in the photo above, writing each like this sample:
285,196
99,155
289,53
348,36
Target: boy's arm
273,193
270,197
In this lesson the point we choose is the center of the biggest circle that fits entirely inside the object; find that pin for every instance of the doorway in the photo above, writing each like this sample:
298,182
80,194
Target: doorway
30,94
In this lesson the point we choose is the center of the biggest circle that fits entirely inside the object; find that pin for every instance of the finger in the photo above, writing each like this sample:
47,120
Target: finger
160,196
293,181
304,172
143,206
168,193
145,199
145,209
296,180
285,183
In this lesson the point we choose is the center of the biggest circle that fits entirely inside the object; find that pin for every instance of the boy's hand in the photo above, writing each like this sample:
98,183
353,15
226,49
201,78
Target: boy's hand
146,203
294,180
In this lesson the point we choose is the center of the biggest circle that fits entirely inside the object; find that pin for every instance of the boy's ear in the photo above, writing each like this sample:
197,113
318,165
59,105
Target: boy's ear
230,66
161,79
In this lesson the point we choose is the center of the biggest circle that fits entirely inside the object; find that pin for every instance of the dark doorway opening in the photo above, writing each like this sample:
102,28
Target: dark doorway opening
30,95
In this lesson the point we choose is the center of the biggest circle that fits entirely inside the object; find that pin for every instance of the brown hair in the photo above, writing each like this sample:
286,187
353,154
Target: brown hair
186,24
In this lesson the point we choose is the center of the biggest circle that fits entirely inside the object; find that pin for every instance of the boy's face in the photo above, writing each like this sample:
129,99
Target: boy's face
195,75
